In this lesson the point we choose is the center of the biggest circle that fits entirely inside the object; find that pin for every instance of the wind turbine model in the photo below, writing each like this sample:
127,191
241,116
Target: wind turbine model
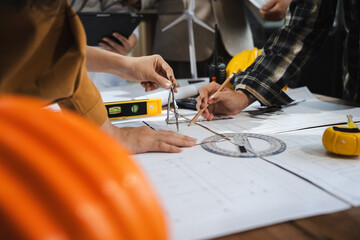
189,15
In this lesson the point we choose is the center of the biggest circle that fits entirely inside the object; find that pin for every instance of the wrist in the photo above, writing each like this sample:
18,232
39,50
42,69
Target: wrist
120,66
249,96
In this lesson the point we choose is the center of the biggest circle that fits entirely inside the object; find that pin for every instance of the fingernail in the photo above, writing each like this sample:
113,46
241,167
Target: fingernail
168,84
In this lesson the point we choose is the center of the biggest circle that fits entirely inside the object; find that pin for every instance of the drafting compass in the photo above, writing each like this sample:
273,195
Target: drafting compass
245,145
176,112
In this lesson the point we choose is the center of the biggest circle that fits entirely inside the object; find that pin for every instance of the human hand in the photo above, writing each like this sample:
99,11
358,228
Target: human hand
124,49
152,72
144,139
274,10
226,102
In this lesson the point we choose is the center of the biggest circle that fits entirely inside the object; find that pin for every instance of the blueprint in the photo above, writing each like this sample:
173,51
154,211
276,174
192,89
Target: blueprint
306,157
207,195
307,112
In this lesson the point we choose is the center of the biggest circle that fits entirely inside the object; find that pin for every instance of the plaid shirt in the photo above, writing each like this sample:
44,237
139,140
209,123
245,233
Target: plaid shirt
299,40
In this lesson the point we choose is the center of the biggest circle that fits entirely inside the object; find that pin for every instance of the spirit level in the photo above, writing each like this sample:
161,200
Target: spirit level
134,108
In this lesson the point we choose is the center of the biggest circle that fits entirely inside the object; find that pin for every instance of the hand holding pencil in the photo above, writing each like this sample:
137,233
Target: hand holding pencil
218,90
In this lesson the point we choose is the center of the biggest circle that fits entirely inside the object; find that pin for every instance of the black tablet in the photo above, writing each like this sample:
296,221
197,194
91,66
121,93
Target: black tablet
99,25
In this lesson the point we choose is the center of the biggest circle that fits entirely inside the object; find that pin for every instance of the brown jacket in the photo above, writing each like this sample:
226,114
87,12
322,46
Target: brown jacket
43,55
173,45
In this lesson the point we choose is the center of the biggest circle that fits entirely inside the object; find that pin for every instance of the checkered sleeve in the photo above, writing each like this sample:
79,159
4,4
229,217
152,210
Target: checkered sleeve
288,50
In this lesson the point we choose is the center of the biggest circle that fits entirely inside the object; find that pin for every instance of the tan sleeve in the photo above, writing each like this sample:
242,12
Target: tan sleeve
86,101
85,98
50,62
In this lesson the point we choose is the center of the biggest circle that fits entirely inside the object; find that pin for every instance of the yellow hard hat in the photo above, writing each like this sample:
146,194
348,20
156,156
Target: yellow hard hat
62,178
242,60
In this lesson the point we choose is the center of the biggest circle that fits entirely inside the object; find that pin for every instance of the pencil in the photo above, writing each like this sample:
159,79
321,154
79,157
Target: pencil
219,90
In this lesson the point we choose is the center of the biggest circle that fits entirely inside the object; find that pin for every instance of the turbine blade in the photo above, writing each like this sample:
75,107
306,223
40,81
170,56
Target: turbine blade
201,23
173,23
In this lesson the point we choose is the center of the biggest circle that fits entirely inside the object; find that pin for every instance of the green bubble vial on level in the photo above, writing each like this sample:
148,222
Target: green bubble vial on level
114,110
134,108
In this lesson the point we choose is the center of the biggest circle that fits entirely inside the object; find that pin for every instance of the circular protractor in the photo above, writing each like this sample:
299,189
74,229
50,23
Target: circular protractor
247,145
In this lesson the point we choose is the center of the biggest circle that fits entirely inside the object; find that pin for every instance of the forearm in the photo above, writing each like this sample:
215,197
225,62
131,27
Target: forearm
151,71
99,60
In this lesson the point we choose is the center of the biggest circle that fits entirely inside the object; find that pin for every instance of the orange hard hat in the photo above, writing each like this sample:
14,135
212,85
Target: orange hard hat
62,178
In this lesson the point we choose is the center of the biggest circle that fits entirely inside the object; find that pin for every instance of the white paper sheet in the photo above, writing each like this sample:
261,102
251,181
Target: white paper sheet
303,115
307,157
309,113
136,92
259,3
207,195
255,6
